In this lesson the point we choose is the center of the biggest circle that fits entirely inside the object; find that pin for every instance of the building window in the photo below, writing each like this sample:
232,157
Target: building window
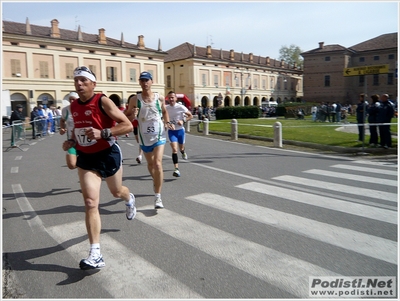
285,81
390,79
168,81
15,68
264,83
91,51
361,80
111,74
376,57
255,83
227,80
42,46
181,80
237,81
68,49
327,58
44,69
14,43
327,80
203,80
69,70
361,59
216,81
92,68
132,75
391,56
375,81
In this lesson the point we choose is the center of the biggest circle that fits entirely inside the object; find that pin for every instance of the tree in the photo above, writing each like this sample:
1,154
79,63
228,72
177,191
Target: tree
291,55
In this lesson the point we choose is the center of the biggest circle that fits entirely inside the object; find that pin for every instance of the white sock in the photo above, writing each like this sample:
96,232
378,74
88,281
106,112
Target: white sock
130,202
158,195
95,249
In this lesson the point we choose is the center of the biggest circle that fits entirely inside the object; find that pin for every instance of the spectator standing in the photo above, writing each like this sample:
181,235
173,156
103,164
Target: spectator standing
34,115
16,115
338,111
385,115
314,113
153,120
372,111
200,112
361,115
178,115
97,121
43,122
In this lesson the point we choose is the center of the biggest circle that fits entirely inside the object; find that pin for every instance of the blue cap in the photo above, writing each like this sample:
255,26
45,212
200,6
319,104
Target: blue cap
145,75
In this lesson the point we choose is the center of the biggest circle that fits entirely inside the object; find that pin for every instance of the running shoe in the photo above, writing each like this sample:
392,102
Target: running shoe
184,156
139,159
131,209
158,204
176,173
92,263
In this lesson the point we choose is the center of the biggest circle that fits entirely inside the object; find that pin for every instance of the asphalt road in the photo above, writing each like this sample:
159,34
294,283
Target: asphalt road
243,221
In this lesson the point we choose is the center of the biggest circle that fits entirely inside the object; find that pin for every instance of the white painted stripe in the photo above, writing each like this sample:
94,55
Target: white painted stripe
14,169
284,271
17,158
126,275
375,163
388,216
130,144
366,169
381,195
373,246
30,215
340,175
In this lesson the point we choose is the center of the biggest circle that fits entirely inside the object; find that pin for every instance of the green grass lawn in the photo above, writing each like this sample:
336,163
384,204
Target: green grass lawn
300,130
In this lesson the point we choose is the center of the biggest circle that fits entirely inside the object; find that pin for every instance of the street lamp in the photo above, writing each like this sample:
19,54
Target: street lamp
243,90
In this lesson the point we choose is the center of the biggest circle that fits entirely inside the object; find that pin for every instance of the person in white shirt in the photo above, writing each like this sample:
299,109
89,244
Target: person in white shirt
178,115
67,126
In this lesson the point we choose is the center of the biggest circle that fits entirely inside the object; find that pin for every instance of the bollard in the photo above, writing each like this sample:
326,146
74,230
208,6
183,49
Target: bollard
205,127
187,126
278,134
234,129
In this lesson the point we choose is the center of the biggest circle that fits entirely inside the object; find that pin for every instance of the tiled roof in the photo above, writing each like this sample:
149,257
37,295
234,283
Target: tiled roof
326,48
384,41
67,35
186,50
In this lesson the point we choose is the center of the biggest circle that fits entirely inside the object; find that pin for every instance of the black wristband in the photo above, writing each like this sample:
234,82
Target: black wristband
105,133
72,140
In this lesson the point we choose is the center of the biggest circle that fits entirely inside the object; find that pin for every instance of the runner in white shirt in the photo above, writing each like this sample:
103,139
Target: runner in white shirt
67,126
178,115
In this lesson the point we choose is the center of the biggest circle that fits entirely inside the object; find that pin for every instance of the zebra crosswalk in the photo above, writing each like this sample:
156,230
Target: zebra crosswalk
267,264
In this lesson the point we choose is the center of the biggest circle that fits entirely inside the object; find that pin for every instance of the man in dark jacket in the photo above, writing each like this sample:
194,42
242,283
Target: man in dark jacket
361,113
385,114
35,114
372,111
16,115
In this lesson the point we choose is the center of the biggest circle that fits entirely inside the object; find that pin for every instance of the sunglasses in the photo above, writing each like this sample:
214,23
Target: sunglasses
86,69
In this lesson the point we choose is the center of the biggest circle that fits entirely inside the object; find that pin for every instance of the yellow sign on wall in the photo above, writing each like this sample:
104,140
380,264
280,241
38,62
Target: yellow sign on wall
365,70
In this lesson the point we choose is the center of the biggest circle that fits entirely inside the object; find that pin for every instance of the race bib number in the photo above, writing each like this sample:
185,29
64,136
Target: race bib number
82,139
151,127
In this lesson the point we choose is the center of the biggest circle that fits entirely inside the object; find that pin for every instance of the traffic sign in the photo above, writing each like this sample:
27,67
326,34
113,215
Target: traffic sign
365,70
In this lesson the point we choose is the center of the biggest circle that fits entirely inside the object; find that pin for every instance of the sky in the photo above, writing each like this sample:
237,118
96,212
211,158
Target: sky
258,27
